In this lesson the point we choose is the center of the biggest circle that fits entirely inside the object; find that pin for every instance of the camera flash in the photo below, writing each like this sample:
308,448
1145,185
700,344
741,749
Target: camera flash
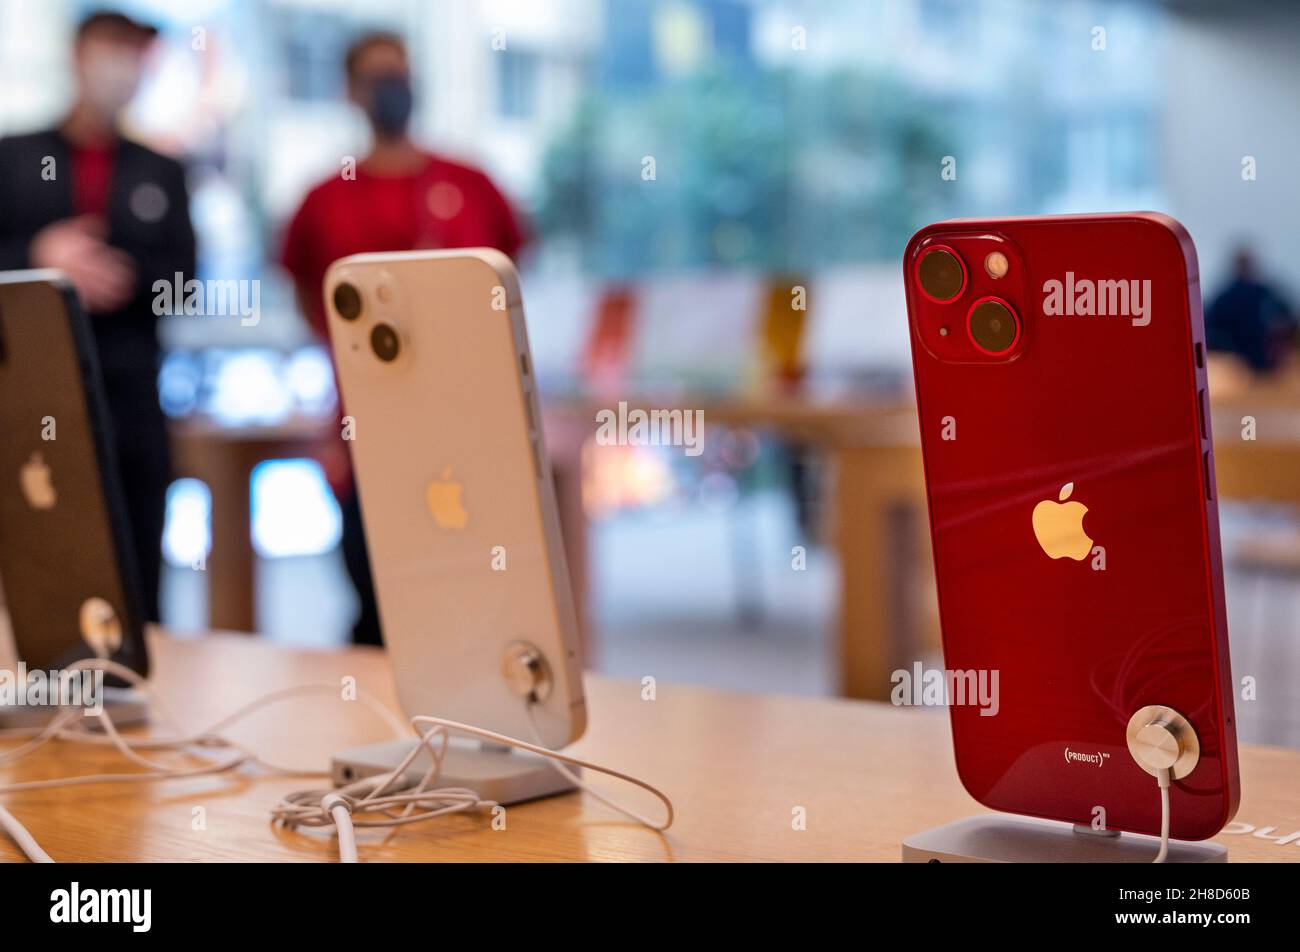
996,264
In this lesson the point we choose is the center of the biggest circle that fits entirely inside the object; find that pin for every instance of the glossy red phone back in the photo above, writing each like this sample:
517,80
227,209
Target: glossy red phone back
1098,410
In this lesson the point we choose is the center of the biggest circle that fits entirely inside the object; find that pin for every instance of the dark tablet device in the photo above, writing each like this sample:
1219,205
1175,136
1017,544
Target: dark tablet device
66,563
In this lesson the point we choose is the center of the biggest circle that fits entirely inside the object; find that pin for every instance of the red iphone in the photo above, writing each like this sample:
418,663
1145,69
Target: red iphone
1060,379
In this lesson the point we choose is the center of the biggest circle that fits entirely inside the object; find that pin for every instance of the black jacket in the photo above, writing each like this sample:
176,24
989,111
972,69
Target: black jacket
148,217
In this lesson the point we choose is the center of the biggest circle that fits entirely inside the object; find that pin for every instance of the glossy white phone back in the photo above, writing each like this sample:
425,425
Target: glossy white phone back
455,490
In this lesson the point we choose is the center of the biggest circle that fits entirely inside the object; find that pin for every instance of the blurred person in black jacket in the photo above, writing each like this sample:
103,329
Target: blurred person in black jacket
113,216
1250,318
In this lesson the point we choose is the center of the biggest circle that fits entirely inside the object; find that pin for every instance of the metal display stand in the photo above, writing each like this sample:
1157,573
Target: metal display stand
502,774
993,838
126,706
495,772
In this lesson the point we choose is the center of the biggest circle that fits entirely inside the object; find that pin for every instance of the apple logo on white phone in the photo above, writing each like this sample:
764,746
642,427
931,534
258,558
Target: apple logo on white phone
37,484
1058,526
443,496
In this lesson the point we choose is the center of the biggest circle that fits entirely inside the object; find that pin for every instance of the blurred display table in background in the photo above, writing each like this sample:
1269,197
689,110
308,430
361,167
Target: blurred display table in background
224,457
876,517
1256,424
740,768
875,513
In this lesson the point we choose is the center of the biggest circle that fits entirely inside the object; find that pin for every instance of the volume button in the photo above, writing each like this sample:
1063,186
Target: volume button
528,409
537,457
1203,413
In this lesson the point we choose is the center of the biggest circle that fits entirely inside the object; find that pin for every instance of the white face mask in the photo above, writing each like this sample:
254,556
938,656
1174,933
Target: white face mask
111,79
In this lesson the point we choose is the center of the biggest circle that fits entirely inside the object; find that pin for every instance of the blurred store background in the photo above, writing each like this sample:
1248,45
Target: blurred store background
682,164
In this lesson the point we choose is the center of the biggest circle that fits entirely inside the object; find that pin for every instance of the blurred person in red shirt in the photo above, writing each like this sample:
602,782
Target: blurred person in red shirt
399,197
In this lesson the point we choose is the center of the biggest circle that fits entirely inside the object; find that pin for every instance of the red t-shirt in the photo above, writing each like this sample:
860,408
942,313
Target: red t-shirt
444,205
92,177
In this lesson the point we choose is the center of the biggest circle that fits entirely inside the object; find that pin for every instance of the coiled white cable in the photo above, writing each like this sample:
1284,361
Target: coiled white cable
74,724
374,801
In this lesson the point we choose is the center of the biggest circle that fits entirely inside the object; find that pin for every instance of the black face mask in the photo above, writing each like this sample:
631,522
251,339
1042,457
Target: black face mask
390,104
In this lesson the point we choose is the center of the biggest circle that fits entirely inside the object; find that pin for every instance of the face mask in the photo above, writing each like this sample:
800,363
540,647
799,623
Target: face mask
110,81
390,105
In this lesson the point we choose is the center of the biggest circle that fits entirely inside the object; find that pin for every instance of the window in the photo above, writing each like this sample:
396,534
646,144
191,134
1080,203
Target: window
517,77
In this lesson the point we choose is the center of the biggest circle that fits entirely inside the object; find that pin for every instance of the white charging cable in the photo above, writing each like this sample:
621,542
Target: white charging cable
387,800
574,779
1163,779
341,812
1163,743
375,801
74,724
26,842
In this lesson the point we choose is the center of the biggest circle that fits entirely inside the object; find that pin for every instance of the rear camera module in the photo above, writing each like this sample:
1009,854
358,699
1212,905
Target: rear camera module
941,274
347,301
385,342
993,325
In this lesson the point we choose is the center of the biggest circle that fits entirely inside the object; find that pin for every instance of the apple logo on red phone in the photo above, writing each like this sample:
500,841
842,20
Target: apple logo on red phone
1058,526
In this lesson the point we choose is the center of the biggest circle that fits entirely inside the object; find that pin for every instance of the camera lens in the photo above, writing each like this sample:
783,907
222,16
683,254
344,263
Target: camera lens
347,301
941,273
384,342
993,326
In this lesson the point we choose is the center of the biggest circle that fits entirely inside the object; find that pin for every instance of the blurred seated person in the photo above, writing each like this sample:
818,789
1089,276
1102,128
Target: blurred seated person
1249,318
400,197
113,216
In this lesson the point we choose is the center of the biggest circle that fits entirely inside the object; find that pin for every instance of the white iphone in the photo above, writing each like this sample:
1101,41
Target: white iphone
440,413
